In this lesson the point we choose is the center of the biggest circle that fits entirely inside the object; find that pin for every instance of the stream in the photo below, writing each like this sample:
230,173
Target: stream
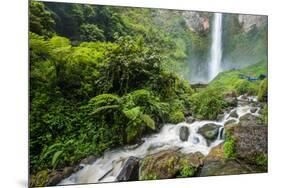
107,167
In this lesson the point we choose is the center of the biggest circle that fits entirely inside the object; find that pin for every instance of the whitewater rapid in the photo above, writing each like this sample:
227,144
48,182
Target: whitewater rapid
107,167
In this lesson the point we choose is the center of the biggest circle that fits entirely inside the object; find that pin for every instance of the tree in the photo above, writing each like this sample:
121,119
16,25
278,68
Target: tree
91,32
41,20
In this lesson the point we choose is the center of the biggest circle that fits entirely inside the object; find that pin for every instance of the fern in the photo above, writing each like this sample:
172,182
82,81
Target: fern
104,108
133,113
148,121
56,157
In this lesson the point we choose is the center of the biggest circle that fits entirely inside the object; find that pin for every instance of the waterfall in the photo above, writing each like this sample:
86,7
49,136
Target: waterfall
216,48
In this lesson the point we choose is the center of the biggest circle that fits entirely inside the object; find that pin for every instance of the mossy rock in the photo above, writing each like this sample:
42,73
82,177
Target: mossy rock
170,164
210,131
216,164
224,167
247,143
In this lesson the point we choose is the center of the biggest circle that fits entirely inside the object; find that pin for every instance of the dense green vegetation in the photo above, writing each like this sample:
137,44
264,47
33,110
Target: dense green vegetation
102,77
105,92
209,102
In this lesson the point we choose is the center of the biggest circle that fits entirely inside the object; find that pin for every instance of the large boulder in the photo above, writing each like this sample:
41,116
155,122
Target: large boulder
57,175
250,142
249,120
184,133
130,170
216,153
229,122
209,131
224,167
216,164
168,164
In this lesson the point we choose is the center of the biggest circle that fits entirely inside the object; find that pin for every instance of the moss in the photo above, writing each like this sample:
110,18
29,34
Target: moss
149,176
261,160
176,117
40,179
264,115
187,171
229,147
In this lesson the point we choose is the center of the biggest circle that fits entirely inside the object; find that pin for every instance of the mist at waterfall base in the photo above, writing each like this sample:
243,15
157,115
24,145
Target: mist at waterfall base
108,167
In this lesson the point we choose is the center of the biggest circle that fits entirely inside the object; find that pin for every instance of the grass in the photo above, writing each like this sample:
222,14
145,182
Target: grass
230,80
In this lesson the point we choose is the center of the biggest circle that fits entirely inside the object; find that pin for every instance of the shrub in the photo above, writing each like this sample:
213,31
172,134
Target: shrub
207,104
246,87
261,160
262,93
176,117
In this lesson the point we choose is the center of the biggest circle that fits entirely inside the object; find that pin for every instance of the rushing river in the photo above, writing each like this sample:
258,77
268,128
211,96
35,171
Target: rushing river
107,167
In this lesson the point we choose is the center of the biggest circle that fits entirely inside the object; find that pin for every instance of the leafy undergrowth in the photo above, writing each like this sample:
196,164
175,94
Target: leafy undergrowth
208,103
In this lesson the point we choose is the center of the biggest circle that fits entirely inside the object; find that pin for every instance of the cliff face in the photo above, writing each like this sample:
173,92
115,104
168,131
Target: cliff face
248,22
244,40
197,21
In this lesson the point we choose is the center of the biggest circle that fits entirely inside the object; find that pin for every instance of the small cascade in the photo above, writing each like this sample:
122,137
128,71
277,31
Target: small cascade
107,167
221,133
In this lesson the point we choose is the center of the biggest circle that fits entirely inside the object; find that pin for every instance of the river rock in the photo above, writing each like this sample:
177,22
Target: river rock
167,164
130,170
89,160
249,120
209,131
184,133
220,117
190,119
216,153
253,110
233,114
216,164
224,167
229,122
57,175
250,142
231,99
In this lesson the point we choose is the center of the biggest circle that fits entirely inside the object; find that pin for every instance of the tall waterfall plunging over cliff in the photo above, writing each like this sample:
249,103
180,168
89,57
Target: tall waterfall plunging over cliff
216,48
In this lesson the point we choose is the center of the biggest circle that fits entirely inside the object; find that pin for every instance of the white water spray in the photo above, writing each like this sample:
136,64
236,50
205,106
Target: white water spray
107,167
216,48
